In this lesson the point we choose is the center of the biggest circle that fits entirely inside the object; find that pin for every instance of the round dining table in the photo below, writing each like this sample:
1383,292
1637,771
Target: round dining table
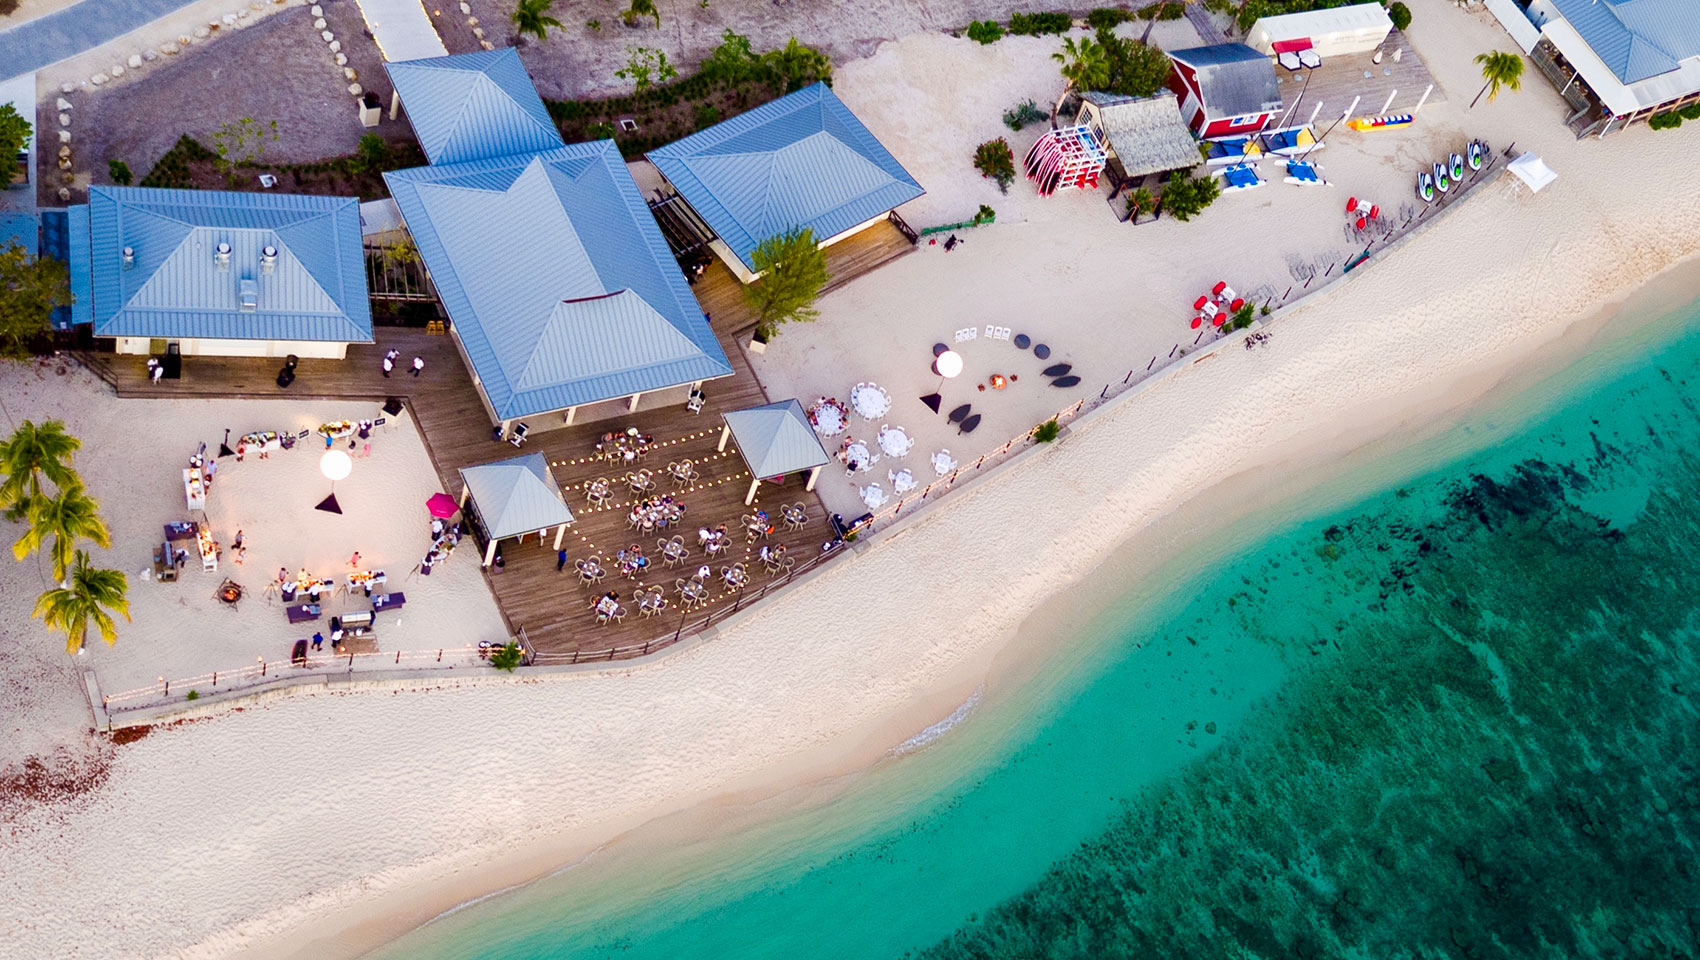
857,456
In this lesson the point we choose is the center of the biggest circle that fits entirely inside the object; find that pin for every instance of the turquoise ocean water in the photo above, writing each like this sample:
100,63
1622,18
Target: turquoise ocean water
1454,717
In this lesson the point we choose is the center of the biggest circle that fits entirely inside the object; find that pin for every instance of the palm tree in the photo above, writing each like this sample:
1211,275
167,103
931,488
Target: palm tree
640,9
70,516
1501,70
29,454
1139,201
86,601
1084,66
532,16
797,65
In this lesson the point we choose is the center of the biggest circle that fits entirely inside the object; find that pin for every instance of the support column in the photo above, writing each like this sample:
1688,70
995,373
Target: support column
725,434
395,101
1354,105
465,497
1424,100
814,474
633,407
755,482
560,532
490,553
571,412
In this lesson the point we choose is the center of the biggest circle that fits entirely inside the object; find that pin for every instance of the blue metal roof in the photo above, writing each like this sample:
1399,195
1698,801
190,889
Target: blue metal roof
776,439
1637,39
803,160
560,286
176,287
82,284
516,496
473,106
23,229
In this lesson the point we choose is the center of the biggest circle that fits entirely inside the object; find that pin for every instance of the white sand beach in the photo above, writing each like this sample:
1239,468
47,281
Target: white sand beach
316,825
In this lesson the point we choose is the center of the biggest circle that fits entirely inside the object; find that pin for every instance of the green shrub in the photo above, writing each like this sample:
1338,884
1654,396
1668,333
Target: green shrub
1105,18
600,131
1690,112
1047,431
1167,10
1022,114
1186,196
119,172
506,658
192,695
985,31
995,159
706,114
371,156
984,215
1400,15
1669,120
1038,24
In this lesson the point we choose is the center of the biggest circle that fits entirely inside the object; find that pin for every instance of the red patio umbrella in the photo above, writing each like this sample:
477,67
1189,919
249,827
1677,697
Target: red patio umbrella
1221,285
1352,205
442,505
1237,304
1197,322
1200,302
1216,321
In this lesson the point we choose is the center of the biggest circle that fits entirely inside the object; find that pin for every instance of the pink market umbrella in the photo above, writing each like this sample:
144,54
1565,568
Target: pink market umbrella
442,505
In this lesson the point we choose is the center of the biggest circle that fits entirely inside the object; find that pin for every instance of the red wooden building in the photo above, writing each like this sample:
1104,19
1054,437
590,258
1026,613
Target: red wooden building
1225,89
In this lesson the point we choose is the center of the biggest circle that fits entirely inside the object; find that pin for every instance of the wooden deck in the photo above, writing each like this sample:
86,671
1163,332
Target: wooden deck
552,608
722,294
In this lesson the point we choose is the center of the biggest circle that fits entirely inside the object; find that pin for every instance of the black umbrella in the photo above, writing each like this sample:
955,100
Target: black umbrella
960,412
932,400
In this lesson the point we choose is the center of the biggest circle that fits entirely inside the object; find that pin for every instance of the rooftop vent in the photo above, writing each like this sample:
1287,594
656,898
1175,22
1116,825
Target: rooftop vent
628,124
221,255
249,296
129,256
268,258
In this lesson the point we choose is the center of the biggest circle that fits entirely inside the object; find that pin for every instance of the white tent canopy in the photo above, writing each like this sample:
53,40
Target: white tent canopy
1533,171
1331,32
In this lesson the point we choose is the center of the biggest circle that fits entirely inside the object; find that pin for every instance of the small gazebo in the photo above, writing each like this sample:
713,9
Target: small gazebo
775,439
511,498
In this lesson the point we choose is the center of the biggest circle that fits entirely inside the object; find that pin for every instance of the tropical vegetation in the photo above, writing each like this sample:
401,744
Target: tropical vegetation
119,172
532,17
996,160
1139,201
1399,14
1186,196
30,287
63,518
1135,67
646,66
33,453
1084,67
85,601
798,66
1500,70
14,133
506,658
1034,24
793,272
639,10
241,143
985,31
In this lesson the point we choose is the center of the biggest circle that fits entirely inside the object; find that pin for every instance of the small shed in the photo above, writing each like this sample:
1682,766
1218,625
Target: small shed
1332,32
1225,89
775,439
511,498
1142,135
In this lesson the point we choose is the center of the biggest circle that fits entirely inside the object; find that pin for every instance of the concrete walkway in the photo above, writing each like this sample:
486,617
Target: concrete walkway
82,26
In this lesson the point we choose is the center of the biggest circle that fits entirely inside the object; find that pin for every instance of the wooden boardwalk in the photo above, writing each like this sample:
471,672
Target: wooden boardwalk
552,608
722,295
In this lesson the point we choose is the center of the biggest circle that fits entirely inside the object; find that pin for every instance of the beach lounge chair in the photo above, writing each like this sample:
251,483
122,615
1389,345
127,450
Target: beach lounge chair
520,430
1309,59
1290,60
969,424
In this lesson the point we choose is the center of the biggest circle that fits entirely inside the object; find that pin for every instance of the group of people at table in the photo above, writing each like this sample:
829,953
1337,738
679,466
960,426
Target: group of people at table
627,446
649,515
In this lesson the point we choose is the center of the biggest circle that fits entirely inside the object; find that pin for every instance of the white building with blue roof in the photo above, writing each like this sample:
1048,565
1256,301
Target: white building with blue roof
1629,58
213,273
561,292
803,160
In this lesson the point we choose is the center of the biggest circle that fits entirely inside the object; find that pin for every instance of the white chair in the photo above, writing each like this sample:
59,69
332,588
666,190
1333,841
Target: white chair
874,496
943,463
520,430
695,403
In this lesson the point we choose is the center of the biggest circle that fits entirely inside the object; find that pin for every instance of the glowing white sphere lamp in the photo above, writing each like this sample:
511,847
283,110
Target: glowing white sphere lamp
335,465
948,364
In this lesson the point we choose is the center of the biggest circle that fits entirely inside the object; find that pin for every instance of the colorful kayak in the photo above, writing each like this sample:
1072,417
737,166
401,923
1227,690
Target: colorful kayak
1425,187
1381,123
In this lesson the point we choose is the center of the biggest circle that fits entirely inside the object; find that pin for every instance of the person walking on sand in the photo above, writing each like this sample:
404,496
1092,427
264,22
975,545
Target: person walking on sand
237,543
318,640
388,366
354,561
418,365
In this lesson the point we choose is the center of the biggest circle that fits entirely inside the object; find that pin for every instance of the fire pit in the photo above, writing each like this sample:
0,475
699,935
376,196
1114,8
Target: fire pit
999,381
229,592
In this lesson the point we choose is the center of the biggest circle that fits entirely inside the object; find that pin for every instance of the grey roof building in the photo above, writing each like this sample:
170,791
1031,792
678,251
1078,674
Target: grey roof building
775,439
1224,83
510,498
803,160
473,106
1144,135
210,266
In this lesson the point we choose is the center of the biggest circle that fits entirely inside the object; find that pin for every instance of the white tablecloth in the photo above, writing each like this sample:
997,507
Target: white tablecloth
902,481
942,463
828,421
895,442
873,496
870,402
858,457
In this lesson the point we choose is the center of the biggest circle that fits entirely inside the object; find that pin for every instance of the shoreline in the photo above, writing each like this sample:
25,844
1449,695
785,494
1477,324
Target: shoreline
1335,465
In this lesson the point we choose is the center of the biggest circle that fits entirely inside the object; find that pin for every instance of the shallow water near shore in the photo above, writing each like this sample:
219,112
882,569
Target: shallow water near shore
1454,716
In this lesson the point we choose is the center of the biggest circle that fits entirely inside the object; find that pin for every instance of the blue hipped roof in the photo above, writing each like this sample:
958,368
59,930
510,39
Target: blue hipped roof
516,496
314,288
560,286
803,160
473,106
1637,39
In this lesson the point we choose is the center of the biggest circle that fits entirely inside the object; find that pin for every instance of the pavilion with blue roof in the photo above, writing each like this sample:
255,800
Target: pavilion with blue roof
218,273
803,160
561,290
1633,58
